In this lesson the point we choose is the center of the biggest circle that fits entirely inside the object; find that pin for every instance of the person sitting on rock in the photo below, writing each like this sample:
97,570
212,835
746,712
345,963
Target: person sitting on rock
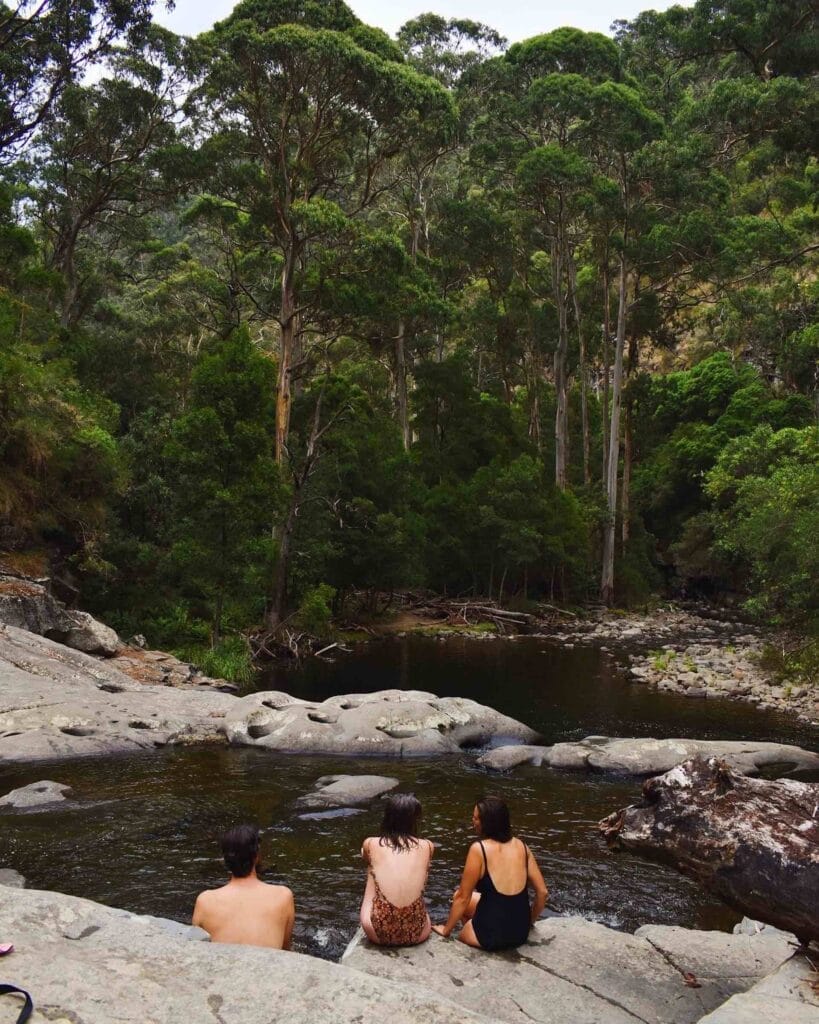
492,901
246,910
393,912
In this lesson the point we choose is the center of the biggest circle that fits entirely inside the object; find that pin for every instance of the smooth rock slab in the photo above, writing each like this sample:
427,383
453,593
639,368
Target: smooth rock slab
571,970
92,964
35,797
644,757
785,996
389,723
722,964
335,791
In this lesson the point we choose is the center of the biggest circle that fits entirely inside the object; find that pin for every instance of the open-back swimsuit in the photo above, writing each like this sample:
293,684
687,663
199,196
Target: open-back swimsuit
501,921
398,926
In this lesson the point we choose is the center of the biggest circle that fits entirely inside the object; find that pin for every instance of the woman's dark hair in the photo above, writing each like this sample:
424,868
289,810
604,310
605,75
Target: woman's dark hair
399,827
495,820
240,847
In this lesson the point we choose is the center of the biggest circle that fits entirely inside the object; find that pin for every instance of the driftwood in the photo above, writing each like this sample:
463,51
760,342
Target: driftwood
753,842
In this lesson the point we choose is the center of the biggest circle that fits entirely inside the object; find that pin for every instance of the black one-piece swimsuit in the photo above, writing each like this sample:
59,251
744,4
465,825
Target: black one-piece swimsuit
500,921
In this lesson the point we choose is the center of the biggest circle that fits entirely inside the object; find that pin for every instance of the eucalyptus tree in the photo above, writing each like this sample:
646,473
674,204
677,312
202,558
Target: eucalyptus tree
538,120
96,162
48,45
312,116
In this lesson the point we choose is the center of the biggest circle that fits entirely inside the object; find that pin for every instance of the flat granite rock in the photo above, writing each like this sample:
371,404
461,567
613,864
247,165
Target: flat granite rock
786,996
37,796
643,757
335,791
87,963
388,723
574,970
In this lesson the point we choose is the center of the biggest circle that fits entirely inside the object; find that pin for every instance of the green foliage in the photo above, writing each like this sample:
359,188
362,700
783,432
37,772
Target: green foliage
314,613
229,659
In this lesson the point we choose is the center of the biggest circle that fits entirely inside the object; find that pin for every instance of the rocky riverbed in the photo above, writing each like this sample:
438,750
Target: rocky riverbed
702,658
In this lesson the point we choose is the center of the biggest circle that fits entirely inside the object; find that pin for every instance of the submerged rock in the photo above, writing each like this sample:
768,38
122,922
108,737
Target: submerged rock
344,791
36,797
647,756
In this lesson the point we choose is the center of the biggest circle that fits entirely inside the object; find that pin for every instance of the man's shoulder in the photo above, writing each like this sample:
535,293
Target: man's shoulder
282,893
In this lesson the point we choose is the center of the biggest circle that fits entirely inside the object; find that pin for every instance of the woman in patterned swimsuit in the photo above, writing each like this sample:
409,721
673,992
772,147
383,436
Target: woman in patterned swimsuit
393,912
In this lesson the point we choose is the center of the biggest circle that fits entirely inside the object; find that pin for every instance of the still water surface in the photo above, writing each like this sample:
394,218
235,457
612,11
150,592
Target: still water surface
146,839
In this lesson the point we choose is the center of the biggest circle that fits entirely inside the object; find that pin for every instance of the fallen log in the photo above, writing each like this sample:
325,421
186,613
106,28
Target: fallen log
753,842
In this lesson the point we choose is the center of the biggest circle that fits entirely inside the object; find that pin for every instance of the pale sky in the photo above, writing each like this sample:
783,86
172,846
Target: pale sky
515,19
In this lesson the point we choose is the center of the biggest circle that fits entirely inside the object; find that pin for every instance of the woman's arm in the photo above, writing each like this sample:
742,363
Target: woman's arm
535,879
460,901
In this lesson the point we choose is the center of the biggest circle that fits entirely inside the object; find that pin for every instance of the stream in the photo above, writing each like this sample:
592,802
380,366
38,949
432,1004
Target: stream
145,834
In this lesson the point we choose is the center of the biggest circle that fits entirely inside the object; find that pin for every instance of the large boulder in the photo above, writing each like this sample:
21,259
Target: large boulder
11,878
388,723
333,791
753,842
643,757
85,633
27,604
85,962
576,970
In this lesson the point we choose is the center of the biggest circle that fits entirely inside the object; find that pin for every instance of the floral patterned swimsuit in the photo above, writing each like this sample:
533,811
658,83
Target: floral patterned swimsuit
398,926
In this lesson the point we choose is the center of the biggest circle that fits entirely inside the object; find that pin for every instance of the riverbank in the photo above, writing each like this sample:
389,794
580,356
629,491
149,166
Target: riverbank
674,650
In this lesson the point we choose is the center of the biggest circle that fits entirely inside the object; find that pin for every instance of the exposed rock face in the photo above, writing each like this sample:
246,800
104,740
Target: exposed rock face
85,962
753,842
389,723
58,702
38,796
574,970
346,791
11,878
27,605
646,756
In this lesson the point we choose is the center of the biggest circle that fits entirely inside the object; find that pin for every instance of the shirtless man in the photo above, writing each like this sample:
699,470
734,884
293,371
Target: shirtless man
246,910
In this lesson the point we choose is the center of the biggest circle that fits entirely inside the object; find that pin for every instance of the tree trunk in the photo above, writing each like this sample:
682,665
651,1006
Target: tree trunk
584,401
401,397
560,358
278,595
626,482
752,842
535,433
288,323
606,367
607,580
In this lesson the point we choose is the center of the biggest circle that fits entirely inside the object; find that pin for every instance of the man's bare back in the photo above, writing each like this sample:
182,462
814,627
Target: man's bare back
246,910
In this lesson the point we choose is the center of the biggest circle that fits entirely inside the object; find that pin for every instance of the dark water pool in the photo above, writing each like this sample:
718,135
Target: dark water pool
146,838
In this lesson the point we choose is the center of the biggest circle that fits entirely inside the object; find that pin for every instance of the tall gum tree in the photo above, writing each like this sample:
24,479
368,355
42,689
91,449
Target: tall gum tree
323,116
540,102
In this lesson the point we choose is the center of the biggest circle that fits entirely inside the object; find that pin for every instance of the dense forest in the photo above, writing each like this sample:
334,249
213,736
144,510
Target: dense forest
293,313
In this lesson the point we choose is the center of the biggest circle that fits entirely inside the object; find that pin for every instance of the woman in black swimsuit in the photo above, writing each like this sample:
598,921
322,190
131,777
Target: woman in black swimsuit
492,900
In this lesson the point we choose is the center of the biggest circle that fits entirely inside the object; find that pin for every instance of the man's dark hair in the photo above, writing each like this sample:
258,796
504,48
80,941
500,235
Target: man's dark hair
495,820
240,847
399,827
